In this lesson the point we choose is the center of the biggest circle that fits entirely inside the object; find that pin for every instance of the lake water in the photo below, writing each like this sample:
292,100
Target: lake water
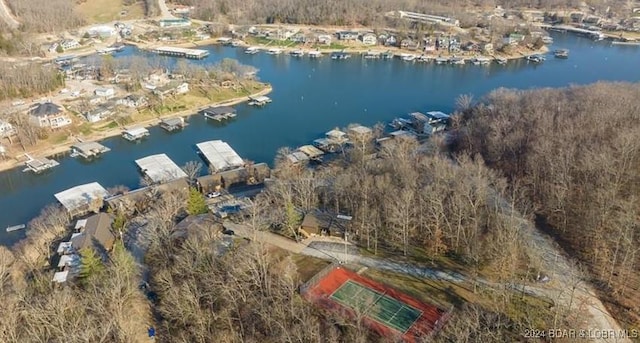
311,97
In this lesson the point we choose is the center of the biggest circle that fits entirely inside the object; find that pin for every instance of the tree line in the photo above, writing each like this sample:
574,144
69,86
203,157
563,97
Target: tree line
45,15
575,153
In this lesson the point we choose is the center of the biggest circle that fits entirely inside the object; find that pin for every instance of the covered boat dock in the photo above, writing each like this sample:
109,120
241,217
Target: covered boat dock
220,155
88,149
197,54
172,124
219,113
259,101
38,165
83,198
135,133
160,168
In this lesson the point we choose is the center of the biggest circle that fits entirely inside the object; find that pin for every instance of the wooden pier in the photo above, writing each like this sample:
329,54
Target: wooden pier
88,149
196,54
38,165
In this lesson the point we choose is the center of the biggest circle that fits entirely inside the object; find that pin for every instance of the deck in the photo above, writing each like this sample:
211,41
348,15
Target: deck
88,149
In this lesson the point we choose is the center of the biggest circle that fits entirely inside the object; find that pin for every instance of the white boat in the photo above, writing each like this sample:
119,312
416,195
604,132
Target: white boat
371,55
274,51
547,40
252,50
407,57
314,54
535,58
456,60
481,60
441,60
297,53
501,60
16,227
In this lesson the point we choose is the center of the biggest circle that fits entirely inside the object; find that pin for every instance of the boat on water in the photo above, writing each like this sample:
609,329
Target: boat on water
252,50
547,40
314,54
408,57
561,53
501,60
423,58
371,55
274,51
387,55
16,227
457,60
340,55
297,53
441,60
480,60
535,58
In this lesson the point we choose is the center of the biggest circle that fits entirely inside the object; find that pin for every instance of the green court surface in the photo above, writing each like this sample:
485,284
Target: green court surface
377,306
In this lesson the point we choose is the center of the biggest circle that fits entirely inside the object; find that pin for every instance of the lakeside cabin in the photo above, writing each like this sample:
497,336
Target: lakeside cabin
135,133
38,165
88,149
172,124
259,101
196,54
219,113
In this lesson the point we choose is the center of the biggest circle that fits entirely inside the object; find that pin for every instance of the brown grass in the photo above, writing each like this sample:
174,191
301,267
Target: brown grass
103,11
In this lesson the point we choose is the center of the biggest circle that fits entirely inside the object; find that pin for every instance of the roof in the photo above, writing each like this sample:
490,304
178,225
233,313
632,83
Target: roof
136,131
261,98
220,155
437,115
361,130
335,133
297,156
160,168
69,260
63,248
89,147
80,196
173,121
311,151
219,110
97,233
45,109
317,221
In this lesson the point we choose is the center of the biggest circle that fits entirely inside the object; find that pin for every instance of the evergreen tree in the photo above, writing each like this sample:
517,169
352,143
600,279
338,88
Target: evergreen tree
90,263
196,203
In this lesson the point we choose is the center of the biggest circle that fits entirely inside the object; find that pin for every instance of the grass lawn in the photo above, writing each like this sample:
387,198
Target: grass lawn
102,11
308,266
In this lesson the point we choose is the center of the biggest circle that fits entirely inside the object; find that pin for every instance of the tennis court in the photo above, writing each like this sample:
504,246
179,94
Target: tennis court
377,306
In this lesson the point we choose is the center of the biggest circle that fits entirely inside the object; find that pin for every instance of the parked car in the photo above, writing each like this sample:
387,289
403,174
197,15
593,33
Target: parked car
213,195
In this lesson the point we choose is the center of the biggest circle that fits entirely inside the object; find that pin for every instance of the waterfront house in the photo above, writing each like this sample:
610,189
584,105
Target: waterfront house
299,38
324,39
171,88
6,129
175,22
347,35
249,174
68,44
98,114
82,199
133,101
96,234
107,93
513,39
391,41
48,115
409,44
320,223
369,39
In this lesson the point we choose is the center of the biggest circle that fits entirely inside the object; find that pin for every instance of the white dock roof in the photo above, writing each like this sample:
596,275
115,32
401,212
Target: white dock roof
136,131
220,155
160,168
80,196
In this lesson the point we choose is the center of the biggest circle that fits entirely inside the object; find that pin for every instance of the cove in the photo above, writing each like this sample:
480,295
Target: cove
310,97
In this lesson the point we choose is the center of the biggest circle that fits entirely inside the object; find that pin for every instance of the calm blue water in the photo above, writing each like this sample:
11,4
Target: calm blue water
309,98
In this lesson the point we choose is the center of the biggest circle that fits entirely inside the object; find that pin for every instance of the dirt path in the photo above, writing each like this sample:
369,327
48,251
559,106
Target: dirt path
164,10
6,15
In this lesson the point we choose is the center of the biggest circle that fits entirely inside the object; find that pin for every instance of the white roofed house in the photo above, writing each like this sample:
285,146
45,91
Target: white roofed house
98,114
369,38
48,115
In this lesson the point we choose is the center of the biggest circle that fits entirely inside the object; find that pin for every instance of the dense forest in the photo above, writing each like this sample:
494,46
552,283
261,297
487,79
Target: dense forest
576,153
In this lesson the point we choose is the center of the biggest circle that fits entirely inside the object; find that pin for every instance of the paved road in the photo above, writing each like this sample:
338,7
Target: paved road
164,10
6,15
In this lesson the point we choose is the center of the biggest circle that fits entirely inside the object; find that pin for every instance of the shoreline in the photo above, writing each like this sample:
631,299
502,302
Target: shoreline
61,148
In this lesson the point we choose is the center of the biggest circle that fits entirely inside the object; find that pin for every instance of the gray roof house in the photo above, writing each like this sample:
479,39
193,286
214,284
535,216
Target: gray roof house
96,234
48,114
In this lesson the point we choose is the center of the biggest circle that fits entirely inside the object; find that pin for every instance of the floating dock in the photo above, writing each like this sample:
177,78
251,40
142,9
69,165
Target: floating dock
196,54
160,168
16,227
312,152
172,124
219,113
315,54
259,101
88,149
135,133
38,165
220,155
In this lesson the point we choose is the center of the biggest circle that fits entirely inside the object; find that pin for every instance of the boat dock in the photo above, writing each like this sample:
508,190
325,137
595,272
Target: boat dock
172,124
314,153
196,54
82,198
219,155
16,227
38,165
259,101
340,56
160,168
219,113
88,149
135,133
